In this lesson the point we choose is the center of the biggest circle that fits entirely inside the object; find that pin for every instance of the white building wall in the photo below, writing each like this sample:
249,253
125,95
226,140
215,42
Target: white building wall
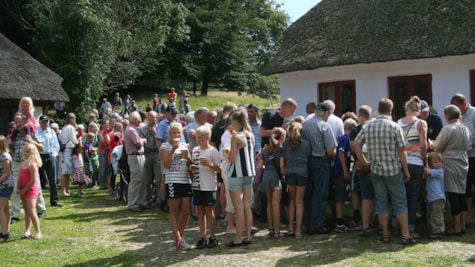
450,75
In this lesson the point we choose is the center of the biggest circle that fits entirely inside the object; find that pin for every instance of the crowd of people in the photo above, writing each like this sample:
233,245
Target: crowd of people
228,164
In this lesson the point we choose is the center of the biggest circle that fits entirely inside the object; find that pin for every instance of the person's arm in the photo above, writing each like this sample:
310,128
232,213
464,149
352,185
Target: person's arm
166,156
422,128
427,171
342,158
236,141
331,152
401,151
36,141
282,165
6,170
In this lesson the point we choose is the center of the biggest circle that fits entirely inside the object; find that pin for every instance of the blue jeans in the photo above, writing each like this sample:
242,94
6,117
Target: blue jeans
49,169
393,186
413,190
316,194
102,178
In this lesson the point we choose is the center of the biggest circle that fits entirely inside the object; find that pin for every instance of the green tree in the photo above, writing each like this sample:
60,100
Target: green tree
230,42
98,46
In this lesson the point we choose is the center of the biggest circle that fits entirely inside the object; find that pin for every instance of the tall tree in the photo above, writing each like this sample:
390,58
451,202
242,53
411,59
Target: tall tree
230,41
97,46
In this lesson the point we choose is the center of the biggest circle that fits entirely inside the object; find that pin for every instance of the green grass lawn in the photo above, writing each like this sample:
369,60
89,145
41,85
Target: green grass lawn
99,231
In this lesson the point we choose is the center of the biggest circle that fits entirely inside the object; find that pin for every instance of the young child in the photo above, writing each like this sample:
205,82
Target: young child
297,152
86,153
6,188
79,177
28,189
435,195
94,166
206,162
271,184
341,174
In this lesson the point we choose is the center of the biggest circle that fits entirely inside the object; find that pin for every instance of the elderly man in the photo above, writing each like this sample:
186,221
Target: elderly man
48,156
19,137
386,147
200,120
320,135
153,171
134,147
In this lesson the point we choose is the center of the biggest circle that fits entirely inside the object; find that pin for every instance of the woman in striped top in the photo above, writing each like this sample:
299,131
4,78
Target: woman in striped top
241,174
176,159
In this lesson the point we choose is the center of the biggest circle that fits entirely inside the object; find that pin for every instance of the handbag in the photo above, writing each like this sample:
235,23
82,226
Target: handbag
361,166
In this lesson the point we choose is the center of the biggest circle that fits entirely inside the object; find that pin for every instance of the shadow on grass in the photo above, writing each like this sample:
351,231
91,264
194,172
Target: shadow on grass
153,243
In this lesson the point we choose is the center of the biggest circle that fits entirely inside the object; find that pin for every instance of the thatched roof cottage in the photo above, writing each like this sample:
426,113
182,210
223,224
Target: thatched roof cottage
356,52
22,75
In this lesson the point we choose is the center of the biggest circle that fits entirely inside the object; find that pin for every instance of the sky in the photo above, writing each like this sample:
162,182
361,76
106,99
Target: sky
297,8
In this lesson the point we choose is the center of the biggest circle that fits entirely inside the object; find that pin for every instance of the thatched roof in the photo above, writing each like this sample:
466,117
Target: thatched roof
22,75
342,32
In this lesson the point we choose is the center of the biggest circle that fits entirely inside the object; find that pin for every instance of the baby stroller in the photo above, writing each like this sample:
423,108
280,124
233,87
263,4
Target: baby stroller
121,168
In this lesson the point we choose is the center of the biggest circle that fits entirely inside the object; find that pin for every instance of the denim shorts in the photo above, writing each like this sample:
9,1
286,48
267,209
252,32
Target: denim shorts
295,180
393,186
366,186
240,183
6,193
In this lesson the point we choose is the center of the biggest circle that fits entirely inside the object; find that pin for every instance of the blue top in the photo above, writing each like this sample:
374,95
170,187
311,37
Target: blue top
344,145
435,185
50,141
257,137
296,161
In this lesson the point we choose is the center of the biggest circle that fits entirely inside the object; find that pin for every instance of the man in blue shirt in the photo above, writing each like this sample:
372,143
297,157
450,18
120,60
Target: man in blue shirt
48,156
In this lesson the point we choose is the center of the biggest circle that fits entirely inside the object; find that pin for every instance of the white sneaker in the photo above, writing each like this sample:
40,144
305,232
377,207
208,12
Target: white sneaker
181,244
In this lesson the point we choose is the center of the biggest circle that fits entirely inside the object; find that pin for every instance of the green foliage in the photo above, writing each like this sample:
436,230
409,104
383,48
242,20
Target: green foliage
230,42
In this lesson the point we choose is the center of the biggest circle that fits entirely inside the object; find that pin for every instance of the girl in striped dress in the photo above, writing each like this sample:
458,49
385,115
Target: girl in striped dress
241,173
175,157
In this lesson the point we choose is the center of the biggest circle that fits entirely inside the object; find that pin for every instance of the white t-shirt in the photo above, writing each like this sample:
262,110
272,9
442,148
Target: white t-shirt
204,178
178,171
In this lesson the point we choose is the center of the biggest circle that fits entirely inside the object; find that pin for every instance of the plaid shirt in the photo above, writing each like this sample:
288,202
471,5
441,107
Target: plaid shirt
150,145
383,138
19,142
320,135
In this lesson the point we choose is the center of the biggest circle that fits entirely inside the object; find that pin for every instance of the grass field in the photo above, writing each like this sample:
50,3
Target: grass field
214,99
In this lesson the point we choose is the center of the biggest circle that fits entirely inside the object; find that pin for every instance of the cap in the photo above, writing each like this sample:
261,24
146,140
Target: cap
44,118
424,106
323,107
172,109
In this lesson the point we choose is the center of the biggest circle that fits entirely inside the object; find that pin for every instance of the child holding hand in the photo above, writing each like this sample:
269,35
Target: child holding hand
28,189
435,188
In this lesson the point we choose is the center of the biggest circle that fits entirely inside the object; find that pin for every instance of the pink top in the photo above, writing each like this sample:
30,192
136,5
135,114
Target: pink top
31,122
77,161
23,181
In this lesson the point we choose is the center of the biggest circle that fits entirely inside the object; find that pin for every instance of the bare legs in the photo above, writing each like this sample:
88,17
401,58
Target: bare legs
242,205
29,204
177,222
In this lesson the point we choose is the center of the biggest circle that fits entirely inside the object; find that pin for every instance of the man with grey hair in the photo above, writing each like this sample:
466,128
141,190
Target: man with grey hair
335,122
320,135
134,147
200,120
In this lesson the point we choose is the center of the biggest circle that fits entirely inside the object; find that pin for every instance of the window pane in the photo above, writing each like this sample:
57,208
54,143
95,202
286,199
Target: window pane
328,93
400,97
422,89
346,99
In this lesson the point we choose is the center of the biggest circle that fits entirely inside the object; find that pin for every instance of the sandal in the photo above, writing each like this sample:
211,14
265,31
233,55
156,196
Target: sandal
277,236
364,232
385,238
233,245
290,233
297,236
271,232
408,241
246,242
26,235
415,235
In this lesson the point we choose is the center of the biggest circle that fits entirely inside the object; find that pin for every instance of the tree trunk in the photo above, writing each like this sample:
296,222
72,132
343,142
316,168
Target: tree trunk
194,87
204,87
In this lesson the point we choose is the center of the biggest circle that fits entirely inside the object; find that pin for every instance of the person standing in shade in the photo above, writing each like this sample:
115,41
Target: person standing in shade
385,141
323,143
48,157
134,147
434,122
21,136
153,169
